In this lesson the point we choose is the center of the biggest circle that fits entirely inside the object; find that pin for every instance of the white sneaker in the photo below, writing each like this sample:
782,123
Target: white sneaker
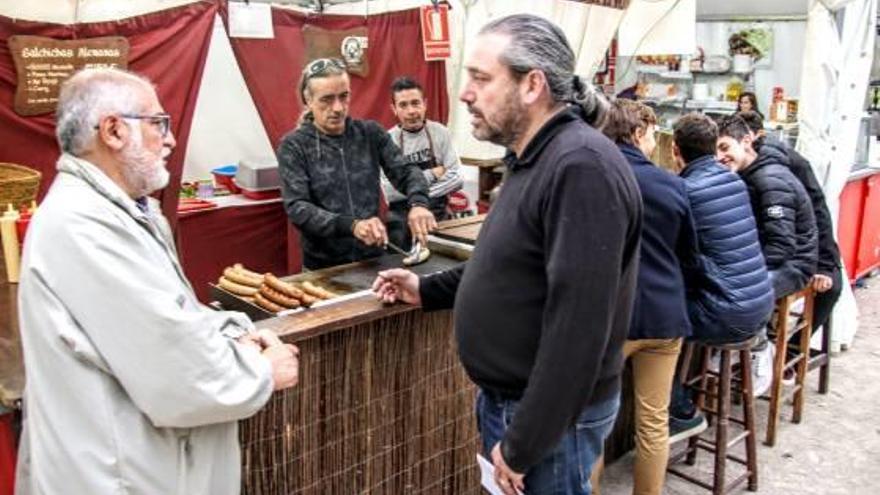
762,369
715,362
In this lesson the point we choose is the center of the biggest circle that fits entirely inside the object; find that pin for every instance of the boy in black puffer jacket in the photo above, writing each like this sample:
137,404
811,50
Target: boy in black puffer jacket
782,208
828,280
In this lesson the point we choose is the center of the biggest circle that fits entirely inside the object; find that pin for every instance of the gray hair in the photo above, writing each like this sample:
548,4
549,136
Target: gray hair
91,94
316,69
538,44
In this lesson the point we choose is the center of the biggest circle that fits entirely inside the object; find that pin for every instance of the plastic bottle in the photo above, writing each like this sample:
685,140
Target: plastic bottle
24,219
777,103
734,89
11,245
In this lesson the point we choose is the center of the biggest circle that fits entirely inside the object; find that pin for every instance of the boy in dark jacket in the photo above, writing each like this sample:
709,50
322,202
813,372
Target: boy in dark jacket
660,317
329,168
828,280
729,293
782,208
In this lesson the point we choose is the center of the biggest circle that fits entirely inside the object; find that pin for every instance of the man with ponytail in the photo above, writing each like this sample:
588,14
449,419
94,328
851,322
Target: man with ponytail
542,308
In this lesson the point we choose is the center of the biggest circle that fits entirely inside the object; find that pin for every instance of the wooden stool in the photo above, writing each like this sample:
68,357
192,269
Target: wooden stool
822,359
719,414
803,323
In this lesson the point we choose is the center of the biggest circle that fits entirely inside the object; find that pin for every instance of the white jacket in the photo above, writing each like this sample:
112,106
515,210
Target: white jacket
132,385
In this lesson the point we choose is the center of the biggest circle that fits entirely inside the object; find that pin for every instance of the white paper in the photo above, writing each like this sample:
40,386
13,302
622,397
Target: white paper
250,20
487,476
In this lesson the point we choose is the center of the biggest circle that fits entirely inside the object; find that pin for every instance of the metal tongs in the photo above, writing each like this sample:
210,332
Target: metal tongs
413,252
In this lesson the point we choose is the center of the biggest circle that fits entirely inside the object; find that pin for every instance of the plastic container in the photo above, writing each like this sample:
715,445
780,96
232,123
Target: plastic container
224,176
11,246
258,174
21,225
259,193
205,189
742,63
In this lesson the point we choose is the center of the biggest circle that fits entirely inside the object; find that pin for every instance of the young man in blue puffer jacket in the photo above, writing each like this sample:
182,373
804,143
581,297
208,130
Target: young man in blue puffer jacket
729,296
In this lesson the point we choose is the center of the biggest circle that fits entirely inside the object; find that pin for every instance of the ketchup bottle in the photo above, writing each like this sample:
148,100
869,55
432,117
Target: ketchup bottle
23,221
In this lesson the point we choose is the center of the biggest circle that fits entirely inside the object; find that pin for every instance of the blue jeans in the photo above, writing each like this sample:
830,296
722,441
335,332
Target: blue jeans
566,469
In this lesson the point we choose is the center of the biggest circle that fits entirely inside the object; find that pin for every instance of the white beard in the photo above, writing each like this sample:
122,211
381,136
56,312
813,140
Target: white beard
144,173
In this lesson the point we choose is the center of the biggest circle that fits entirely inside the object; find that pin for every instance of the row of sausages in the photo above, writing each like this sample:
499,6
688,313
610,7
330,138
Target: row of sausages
270,292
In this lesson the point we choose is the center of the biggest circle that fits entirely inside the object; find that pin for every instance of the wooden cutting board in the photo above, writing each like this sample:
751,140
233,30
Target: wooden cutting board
464,230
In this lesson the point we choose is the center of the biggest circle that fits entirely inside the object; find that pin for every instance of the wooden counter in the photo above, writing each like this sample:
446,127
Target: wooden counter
383,405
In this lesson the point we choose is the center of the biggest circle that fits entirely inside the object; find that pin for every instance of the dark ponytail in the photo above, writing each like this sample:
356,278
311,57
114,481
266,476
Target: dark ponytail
593,105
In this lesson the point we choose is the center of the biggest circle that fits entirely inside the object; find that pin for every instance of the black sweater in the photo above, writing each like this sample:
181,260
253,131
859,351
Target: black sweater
542,308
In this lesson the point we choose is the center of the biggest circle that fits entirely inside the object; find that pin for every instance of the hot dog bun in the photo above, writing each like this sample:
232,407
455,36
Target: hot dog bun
242,278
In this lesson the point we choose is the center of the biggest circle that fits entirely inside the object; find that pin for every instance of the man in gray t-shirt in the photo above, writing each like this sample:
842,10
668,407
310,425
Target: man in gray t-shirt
426,144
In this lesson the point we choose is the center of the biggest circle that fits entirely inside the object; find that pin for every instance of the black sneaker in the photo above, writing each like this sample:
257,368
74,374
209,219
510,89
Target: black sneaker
680,429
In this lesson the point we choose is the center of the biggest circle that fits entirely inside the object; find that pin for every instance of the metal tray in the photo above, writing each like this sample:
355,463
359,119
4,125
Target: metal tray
343,279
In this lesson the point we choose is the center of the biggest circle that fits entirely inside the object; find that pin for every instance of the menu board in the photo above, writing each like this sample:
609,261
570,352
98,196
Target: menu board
42,64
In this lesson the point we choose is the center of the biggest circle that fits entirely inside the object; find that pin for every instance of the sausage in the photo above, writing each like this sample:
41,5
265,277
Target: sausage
278,298
240,278
283,287
266,304
241,269
319,292
308,299
235,288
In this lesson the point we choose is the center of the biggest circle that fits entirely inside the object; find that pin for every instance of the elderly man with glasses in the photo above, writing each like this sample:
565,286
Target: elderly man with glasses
330,174
133,385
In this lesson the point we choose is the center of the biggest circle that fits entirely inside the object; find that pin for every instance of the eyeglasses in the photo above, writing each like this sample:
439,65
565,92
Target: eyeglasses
321,65
160,120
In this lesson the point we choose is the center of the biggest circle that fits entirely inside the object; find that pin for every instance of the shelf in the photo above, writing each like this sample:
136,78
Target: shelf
666,74
711,105
729,106
710,73
665,103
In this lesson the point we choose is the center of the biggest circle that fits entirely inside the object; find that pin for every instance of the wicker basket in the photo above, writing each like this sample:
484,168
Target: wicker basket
18,185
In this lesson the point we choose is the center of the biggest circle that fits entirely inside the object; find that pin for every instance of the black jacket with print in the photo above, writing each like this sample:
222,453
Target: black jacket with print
785,220
327,182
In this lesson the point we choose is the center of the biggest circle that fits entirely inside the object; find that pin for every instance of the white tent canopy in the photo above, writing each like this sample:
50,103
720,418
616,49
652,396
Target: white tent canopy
837,65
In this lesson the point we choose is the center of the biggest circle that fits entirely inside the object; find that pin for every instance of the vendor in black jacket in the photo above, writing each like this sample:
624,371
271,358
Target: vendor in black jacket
828,280
329,168
542,307
782,208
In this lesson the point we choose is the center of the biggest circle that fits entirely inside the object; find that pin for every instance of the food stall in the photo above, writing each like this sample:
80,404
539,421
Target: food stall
383,404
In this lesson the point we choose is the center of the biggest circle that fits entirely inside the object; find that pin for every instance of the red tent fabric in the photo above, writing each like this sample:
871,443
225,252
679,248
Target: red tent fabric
271,68
168,47
7,454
